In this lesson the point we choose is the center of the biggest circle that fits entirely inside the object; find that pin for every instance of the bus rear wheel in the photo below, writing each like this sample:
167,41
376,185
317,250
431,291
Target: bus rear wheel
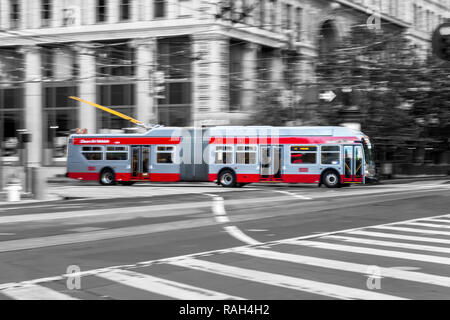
107,177
227,179
331,179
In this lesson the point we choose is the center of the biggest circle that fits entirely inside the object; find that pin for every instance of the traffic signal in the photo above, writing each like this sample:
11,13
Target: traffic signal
441,41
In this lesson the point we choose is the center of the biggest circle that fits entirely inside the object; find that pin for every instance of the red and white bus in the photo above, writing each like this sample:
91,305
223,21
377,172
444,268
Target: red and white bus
231,156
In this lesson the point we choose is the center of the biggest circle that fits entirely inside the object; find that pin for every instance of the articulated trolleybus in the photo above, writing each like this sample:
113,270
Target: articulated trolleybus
231,156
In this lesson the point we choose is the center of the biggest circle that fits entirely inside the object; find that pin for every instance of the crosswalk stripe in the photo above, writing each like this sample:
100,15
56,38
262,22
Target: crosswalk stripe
445,233
398,236
315,287
35,292
376,252
431,225
346,266
164,287
391,244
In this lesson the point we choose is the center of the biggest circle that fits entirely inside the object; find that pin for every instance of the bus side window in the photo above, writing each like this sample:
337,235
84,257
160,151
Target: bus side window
246,154
303,155
330,155
116,153
224,155
92,153
165,154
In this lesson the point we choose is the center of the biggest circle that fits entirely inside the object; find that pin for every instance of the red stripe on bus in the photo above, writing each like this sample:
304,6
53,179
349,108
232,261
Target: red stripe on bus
84,175
164,177
301,178
127,141
282,140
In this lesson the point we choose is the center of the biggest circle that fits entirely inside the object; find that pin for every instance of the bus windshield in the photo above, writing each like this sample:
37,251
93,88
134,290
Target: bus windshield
368,151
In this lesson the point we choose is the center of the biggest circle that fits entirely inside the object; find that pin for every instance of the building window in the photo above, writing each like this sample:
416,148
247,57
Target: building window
224,155
46,13
236,69
115,60
117,153
165,154
101,10
262,13
303,155
60,116
11,120
92,153
15,14
121,97
125,6
330,155
246,154
174,107
159,8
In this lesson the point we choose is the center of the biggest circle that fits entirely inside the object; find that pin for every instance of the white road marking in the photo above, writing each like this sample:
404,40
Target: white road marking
273,279
220,215
431,225
238,234
295,195
35,292
388,227
398,236
390,244
164,287
346,266
438,220
375,252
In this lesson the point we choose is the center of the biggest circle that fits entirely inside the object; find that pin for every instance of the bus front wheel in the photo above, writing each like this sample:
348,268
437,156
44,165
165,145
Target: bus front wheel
227,179
331,179
107,177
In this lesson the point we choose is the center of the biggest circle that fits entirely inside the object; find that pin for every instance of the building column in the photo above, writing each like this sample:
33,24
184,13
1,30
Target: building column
33,103
4,14
210,69
249,75
146,60
89,12
87,88
113,11
277,69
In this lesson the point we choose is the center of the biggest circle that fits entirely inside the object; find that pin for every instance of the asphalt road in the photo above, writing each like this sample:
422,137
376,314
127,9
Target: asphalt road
197,241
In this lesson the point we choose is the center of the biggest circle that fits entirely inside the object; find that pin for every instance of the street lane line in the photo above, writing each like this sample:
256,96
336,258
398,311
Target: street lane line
35,292
388,227
374,252
220,215
295,195
346,266
288,282
238,234
164,287
398,236
431,225
390,244
437,220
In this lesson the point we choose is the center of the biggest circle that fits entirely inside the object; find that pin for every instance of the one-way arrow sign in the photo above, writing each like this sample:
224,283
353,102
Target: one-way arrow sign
327,96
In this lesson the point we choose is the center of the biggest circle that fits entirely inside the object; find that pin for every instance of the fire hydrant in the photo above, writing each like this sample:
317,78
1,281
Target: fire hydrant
13,189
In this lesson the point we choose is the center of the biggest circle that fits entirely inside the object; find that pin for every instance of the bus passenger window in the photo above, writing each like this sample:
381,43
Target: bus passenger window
246,155
164,154
92,153
330,155
303,155
224,155
117,153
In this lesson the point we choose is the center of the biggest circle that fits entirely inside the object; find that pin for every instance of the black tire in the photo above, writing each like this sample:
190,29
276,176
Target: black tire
227,179
331,179
127,183
107,178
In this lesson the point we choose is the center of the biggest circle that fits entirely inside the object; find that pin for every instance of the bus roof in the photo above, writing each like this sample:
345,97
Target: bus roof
239,131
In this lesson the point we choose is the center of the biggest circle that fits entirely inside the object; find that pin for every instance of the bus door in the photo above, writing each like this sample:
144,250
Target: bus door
271,163
353,164
140,163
